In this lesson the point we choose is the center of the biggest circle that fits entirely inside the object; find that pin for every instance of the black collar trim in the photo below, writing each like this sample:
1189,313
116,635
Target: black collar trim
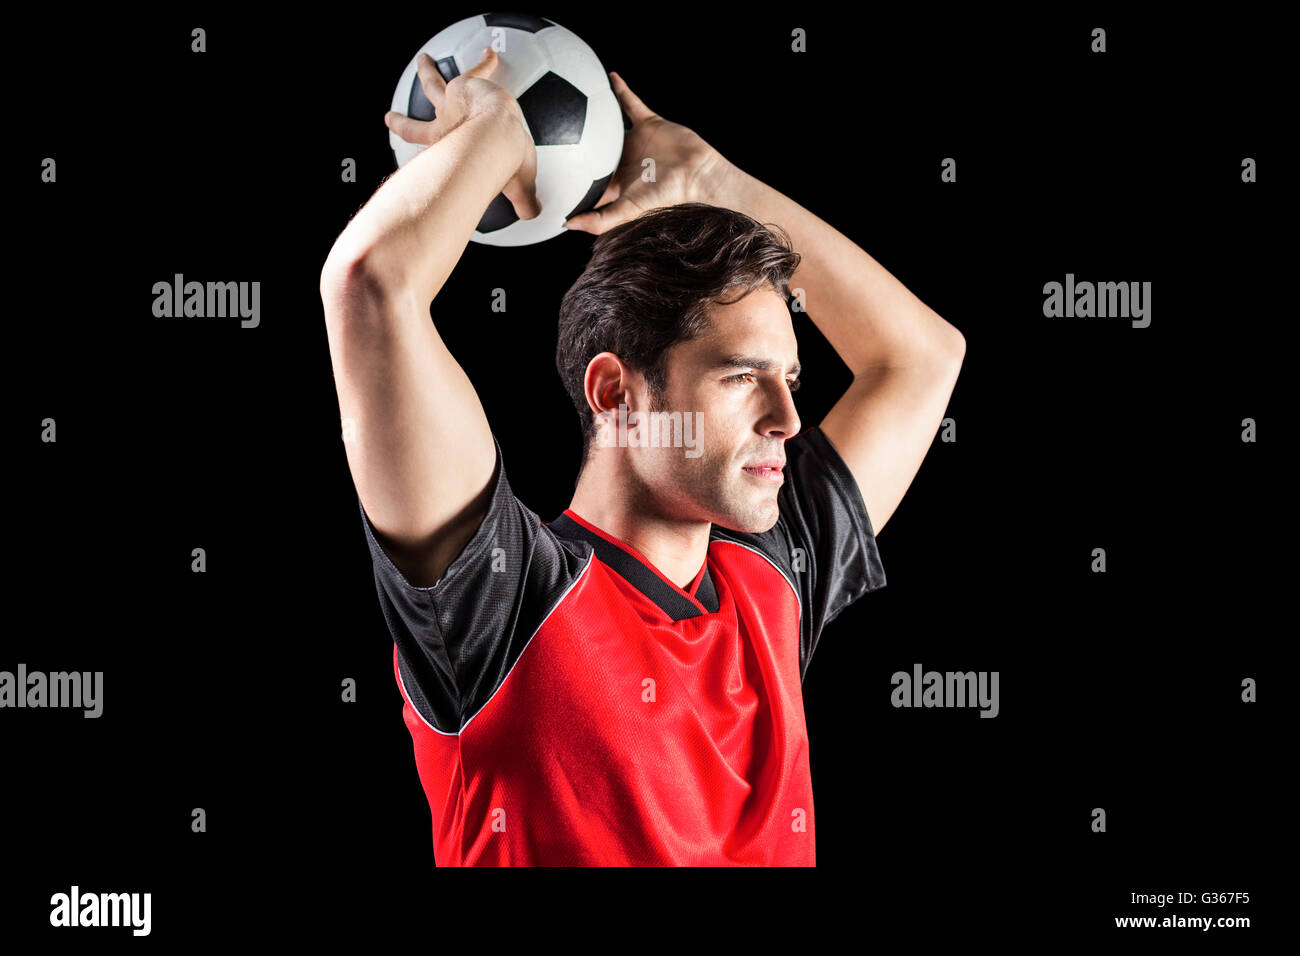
674,602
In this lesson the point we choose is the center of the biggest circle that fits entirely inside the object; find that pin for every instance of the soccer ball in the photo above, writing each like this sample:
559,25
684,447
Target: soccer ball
568,104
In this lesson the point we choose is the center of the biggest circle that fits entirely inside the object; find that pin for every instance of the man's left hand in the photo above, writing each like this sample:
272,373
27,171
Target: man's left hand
684,167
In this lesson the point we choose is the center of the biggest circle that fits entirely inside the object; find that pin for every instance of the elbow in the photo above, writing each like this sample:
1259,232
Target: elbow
343,269
352,263
939,344
351,287
340,285
954,345
960,348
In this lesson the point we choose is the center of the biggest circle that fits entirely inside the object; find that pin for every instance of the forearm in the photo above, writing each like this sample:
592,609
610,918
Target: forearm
416,226
868,316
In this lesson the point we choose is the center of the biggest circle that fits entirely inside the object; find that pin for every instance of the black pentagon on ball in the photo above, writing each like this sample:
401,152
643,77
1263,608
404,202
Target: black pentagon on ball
499,214
417,104
588,202
555,109
520,21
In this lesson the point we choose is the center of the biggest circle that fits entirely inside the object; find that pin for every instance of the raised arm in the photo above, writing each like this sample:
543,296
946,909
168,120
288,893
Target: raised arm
904,357
421,451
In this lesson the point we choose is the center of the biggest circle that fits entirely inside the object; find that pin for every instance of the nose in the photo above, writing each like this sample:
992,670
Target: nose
782,419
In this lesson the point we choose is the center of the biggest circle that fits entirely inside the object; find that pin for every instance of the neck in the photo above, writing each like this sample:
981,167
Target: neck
610,497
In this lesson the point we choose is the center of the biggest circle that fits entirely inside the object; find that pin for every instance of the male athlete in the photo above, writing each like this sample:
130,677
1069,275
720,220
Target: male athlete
622,685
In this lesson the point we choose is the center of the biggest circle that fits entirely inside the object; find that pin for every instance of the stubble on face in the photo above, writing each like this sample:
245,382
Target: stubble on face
711,487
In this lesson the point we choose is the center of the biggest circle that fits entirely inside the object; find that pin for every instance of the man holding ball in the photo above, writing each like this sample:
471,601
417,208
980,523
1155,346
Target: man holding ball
622,685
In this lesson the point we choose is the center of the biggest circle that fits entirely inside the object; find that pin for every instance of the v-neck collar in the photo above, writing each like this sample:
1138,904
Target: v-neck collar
633,567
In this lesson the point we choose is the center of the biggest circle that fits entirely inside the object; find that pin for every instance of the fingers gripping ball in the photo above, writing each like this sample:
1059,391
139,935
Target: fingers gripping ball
568,106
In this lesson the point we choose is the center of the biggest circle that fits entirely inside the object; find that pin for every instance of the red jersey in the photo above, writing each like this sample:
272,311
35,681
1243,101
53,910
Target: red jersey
570,705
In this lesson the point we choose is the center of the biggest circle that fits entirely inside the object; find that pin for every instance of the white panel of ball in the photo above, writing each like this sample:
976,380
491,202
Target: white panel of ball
564,172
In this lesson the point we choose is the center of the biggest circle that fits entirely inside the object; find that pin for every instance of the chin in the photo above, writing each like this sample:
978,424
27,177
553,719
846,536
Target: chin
752,520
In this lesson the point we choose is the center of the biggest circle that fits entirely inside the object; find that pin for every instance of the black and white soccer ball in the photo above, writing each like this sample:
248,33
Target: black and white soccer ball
568,105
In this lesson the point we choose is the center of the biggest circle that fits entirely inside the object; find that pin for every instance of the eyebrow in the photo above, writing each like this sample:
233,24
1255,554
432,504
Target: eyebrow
751,361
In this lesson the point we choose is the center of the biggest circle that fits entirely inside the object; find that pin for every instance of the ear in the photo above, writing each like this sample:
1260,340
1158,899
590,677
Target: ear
606,387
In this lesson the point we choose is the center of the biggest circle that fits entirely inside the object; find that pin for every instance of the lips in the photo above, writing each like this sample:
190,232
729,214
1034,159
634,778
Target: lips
769,470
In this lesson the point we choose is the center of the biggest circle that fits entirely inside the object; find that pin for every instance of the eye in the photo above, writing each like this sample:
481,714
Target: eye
793,383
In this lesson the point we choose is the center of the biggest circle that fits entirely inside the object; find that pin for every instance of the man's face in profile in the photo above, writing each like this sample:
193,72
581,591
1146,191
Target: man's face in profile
746,415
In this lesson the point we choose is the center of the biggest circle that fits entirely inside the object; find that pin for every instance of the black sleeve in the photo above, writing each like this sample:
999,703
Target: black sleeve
823,541
457,639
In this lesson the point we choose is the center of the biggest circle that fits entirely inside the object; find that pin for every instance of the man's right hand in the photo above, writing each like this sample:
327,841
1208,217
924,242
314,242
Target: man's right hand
474,93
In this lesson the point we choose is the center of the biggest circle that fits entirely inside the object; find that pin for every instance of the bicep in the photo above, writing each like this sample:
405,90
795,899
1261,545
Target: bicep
884,424
418,443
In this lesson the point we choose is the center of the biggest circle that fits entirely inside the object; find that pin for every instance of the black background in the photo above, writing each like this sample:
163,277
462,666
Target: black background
222,690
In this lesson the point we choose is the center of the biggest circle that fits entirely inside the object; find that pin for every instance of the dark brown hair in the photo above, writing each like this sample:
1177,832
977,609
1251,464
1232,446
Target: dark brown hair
650,283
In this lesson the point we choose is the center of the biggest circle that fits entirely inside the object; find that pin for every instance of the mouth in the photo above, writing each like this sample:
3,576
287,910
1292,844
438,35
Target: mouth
767,473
